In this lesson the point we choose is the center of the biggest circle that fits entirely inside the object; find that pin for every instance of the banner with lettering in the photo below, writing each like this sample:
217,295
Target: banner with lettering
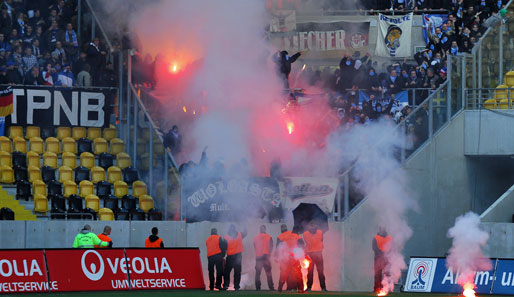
324,40
317,190
231,199
47,107
394,35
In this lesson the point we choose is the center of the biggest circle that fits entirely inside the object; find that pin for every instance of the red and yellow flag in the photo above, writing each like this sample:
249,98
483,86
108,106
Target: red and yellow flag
5,101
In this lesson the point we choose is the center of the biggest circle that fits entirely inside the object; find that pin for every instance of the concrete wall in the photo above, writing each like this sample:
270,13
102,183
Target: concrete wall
501,240
502,210
488,133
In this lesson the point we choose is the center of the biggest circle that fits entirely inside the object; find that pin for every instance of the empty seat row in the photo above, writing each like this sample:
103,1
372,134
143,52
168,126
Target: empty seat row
62,132
50,159
68,144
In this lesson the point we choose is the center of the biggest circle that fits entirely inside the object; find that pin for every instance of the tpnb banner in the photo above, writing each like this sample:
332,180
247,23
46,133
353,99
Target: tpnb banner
432,275
47,107
394,35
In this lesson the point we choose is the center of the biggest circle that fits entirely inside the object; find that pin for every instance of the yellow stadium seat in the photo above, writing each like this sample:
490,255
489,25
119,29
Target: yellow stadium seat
117,146
78,132
50,159
110,133
120,189
34,173
509,78
37,145
87,160
86,188
501,92
97,174
52,145
114,174
69,159
94,133
40,203
490,104
32,131
5,159
105,214
65,173
139,188
6,174
100,146
33,159
63,132
123,160
146,203
93,202
504,104
69,188
20,144
15,131
69,145
5,144
38,188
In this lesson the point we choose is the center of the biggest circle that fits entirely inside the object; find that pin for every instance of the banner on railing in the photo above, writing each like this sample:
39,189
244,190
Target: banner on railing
317,190
66,270
324,40
432,275
217,199
394,35
44,107
401,99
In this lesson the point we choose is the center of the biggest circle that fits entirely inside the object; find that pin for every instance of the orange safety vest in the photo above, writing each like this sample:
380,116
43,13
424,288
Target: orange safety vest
213,245
313,242
155,244
234,245
384,243
103,237
261,244
290,238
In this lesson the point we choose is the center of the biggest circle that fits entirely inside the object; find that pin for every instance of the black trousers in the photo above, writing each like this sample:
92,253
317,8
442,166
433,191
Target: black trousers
317,259
380,264
215,261
233,262
260,263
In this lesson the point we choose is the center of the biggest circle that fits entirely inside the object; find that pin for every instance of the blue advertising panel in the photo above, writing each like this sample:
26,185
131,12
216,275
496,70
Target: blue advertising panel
445,279
504,283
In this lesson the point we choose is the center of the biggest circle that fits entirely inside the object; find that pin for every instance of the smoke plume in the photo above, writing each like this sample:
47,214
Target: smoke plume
466,256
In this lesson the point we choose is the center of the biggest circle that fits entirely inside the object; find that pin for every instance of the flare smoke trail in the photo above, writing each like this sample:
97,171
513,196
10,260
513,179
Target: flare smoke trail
466,256
379,176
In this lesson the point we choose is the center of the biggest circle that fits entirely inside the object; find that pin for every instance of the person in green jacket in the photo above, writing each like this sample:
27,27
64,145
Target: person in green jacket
87,239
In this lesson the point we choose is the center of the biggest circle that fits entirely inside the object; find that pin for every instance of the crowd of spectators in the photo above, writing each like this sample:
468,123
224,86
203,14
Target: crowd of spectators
39,45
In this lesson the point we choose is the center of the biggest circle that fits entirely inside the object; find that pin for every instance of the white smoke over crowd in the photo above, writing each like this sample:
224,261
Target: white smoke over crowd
466,256
238,86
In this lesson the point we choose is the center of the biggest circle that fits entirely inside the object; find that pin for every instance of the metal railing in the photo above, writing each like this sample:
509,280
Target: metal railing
498,98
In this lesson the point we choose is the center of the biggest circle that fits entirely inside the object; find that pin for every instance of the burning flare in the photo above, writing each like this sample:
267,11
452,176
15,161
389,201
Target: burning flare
173,68
468,290
290,127
305,263
184,108
381,293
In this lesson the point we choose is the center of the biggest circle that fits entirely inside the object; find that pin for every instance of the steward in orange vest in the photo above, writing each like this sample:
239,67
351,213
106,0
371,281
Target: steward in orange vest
382,243
263,245
313,238
290,270
234,256
216,248
105,237
153,241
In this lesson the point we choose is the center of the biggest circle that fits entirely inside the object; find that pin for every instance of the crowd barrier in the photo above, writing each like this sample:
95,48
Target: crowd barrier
65,270
432,275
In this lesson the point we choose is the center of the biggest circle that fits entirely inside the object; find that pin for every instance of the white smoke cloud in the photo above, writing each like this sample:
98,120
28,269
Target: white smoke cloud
379,176
466,256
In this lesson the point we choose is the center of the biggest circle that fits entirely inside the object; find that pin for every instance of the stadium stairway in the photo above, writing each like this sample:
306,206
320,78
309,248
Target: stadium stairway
20,212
